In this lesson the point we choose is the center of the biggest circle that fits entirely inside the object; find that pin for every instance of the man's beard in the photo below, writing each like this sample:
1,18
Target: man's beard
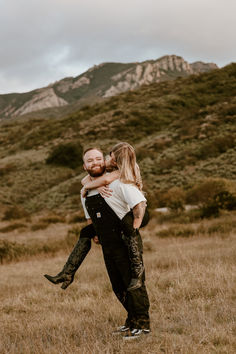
98,172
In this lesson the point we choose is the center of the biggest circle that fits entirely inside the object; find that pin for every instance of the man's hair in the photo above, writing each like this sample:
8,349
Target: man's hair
92,148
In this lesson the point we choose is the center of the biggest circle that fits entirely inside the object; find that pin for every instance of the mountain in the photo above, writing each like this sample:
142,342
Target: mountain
99,82
183,131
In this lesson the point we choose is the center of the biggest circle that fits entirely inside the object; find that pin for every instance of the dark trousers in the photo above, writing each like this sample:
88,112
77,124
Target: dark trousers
109,230
116,258
135,302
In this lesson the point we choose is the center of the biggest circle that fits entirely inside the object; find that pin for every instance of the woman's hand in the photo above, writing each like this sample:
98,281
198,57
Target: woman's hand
96,240
105,192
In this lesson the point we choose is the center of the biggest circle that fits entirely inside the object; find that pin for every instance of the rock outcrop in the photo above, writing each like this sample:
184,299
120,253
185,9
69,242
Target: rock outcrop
43,98
104,80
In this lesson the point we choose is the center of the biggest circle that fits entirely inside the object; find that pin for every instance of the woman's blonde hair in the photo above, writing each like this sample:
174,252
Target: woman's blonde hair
125,158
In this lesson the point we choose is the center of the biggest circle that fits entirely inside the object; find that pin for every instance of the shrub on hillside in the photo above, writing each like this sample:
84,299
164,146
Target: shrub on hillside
216,146
67,155
213,195
4,170
205,191
175,199
14,212
155,197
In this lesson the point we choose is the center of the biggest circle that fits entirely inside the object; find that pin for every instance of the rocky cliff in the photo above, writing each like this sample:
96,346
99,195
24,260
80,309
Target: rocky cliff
104,80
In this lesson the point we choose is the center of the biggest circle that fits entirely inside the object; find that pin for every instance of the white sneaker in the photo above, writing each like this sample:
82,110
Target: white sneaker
121,330
136,333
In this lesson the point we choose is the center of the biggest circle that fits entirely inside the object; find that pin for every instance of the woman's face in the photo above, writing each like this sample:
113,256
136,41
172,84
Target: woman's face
110,160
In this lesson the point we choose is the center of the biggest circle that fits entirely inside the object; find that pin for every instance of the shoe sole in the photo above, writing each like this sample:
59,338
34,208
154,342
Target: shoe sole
141,335
118,333
48,277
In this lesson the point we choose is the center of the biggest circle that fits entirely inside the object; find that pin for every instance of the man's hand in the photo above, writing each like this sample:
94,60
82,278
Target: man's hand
96,240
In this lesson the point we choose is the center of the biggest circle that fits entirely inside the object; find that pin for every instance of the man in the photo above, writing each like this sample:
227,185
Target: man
106,215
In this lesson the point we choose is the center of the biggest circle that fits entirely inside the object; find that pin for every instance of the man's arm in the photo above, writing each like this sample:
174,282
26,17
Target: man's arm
138,212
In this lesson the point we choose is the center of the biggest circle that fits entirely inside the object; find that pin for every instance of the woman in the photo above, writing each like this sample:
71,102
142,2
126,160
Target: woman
123,163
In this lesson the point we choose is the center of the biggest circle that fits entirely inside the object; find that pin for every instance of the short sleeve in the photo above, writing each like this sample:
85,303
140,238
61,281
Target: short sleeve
85,209
131,195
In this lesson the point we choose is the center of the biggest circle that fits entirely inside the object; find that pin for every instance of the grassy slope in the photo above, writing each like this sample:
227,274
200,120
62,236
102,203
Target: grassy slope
183,131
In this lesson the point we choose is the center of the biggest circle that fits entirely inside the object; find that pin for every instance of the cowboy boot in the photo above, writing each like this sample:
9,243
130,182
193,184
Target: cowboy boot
134,245
66,276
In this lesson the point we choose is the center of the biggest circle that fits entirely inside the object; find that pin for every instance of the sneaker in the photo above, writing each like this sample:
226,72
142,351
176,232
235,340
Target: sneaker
136,333
121,330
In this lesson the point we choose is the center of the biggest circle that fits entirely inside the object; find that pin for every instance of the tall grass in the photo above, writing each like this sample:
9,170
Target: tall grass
191,285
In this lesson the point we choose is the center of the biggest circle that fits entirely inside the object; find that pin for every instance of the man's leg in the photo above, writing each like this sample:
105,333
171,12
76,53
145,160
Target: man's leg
118,286
136,302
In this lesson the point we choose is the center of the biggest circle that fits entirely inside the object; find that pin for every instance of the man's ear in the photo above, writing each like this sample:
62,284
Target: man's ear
84,167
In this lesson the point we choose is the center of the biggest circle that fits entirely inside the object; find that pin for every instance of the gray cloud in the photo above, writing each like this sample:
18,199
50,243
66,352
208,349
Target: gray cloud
46,40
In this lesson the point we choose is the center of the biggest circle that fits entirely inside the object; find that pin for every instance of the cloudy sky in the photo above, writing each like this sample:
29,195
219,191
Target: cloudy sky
46,40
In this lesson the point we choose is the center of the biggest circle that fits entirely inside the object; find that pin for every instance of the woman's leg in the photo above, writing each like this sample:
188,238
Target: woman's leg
79,252
135,249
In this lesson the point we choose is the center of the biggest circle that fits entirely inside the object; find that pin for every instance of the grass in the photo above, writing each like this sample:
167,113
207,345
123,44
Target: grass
191,285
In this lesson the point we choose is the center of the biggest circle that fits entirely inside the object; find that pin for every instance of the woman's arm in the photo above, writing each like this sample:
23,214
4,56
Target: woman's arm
85,180
138,212
102,181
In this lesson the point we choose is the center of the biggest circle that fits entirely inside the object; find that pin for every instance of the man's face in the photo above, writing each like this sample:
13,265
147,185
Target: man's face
94,163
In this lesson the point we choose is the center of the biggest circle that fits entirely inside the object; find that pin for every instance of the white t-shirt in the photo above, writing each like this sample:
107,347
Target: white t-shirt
124,197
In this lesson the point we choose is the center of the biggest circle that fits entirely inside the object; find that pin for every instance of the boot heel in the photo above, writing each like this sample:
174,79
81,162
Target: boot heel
67,282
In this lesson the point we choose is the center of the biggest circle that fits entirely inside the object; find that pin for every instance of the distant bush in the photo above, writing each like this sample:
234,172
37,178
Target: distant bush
176,232
213,194
4,170
225,200
222,227
53,219
14,212
39,226
175,199
216,146
221,201
12,227
118,113
154,197
167,163
205,191
68,155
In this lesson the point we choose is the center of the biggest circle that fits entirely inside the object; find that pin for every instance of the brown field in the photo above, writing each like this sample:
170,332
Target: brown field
191,284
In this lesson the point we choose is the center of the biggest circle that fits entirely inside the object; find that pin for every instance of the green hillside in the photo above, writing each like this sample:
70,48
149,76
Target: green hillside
183,131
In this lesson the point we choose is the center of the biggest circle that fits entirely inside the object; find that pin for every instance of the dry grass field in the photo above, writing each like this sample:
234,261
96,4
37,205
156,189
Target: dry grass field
191,284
